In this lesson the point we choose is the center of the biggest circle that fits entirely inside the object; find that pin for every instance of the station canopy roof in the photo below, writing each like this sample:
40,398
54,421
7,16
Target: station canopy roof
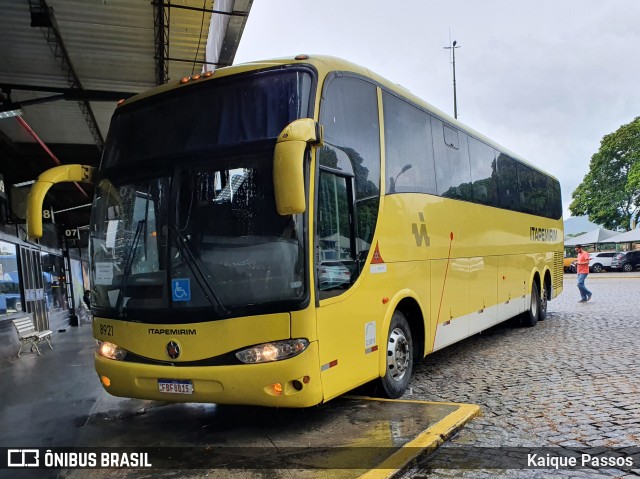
632,236
597,236
64,64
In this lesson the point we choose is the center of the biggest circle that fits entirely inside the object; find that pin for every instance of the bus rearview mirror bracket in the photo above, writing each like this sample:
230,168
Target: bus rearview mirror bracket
288,164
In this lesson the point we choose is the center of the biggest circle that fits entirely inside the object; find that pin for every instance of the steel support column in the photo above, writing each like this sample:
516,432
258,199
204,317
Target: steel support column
162,18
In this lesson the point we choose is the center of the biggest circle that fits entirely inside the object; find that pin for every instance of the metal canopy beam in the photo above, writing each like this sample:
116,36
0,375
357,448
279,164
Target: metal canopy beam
206,10
68,93
234,30
43,17
200,62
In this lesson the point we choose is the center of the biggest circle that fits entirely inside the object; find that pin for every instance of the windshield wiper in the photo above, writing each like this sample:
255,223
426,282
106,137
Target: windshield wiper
128,266
199,274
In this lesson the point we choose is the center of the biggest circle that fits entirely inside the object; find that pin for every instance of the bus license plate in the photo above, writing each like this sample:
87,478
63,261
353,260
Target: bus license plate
174,386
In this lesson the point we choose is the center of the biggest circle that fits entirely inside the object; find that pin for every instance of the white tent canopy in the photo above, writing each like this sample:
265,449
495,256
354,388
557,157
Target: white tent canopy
596,236
627,237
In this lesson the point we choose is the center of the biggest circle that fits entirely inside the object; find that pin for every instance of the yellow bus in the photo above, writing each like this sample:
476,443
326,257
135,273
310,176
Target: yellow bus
278,233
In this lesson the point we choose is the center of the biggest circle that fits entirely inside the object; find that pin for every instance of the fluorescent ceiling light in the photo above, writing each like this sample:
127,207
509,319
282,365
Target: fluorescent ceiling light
24,183
11,113
73,208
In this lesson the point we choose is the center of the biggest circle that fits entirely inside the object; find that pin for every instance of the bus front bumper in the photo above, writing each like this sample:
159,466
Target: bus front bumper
293,382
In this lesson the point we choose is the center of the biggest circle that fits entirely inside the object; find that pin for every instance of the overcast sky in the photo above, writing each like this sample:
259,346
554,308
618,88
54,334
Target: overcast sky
545,78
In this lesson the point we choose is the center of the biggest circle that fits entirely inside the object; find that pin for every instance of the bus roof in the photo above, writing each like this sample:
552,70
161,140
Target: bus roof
325,64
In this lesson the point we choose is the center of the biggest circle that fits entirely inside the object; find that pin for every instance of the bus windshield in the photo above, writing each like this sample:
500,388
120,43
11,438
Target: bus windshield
184,225
205,237
217,112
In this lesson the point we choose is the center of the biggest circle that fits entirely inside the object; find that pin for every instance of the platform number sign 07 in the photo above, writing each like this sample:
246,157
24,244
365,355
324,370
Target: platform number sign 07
72,233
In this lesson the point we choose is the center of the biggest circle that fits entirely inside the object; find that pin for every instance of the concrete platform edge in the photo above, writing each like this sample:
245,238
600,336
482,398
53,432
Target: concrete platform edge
429,440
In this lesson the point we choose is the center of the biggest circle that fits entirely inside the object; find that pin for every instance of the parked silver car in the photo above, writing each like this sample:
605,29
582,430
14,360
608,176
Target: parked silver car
332,274
627,261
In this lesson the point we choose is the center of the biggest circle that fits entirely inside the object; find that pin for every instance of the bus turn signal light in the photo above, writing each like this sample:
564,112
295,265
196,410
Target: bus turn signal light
105,381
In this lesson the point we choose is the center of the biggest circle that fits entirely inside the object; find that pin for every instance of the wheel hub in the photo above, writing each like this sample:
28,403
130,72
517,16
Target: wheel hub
398,354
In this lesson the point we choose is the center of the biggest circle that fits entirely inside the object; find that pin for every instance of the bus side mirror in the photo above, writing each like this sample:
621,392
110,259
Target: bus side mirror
288,164
59,174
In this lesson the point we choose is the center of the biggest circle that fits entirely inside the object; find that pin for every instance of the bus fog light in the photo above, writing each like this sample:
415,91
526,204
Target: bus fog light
275,351
110,351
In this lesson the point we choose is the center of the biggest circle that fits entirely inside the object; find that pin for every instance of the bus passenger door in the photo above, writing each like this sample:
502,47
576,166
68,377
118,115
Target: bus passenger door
343,314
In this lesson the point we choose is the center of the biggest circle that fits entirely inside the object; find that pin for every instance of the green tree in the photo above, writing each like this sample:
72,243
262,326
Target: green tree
610,192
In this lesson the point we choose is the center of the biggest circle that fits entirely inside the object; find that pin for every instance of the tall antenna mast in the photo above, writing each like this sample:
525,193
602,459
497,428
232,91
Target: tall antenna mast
452,47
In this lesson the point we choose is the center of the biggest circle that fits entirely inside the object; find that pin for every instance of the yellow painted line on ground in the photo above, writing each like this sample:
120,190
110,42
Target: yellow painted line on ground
432,438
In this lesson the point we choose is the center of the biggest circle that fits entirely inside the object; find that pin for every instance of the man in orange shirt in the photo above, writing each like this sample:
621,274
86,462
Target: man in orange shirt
582,266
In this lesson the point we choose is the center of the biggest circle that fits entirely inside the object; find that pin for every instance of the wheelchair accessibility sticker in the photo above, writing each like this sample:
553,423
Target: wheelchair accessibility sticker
180,289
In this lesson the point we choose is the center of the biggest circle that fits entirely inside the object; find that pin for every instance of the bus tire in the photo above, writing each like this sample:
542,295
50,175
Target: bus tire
399,354
530,318
544,303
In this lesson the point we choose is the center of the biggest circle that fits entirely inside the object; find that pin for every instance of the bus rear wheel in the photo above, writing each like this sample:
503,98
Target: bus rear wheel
530,318
544,302
399,352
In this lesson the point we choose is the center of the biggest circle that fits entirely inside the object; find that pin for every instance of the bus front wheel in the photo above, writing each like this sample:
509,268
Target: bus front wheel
399,351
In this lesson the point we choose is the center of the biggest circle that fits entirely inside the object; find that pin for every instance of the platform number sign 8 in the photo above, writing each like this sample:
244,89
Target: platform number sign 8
47,215
3,192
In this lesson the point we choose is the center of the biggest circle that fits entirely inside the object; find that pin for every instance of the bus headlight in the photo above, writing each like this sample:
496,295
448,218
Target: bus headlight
275,351
110,351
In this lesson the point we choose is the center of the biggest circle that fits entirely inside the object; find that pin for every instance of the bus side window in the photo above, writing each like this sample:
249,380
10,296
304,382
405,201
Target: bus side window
483,173
554,200
349,114
408,147
508,183
335,259
453,176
